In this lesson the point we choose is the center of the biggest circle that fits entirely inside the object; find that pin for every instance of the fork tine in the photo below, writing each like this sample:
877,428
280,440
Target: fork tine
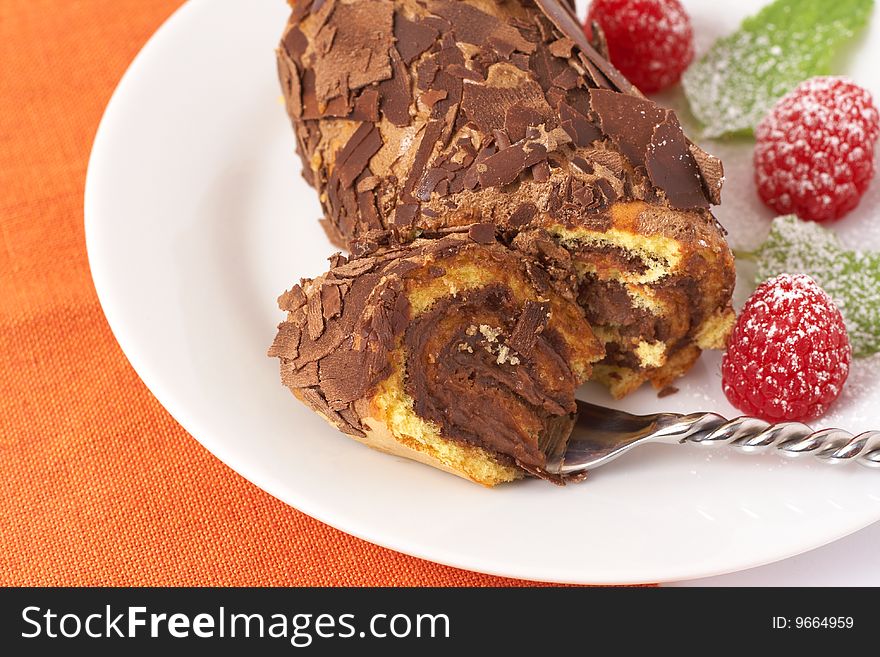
599,435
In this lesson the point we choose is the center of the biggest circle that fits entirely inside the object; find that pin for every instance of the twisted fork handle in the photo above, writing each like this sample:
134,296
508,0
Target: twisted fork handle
748,434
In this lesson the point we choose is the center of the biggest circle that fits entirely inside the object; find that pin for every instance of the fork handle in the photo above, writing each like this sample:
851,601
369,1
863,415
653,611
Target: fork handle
792,439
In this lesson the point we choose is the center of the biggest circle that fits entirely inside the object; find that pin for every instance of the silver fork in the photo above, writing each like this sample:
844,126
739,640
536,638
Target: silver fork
601,435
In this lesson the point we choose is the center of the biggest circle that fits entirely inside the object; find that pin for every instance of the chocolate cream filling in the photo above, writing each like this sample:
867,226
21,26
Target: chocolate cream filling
608,304
489,371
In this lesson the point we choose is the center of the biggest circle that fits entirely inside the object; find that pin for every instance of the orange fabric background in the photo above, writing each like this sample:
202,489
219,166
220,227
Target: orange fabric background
98,484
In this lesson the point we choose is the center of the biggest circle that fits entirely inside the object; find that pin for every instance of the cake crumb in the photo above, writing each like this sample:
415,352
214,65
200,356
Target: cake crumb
491,334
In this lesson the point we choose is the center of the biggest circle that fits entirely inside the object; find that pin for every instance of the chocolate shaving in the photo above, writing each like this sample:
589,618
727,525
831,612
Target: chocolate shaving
582,164
487,107
286,343
611,160
541,172
367,210
502,48
672,168
396,98
598,40
561,48
566,23
300,378
292,299
300,10
523,215
355,155
336,260
295,42
712,172
477,27
502,140
519,118
505,166
464,73
363,35
608,190
369,243
290,83
440,24
651,137
545,67
366,106
426,72
315,316
582,132
594,75
429,183
338,382
355,268
353,419
471,177
331,301
581,193
405,214
567,79
446,110
532,321
367,183
413,37
324,40
432,96
666,392
321,12
316,400
629,121
520,60
482,233
430,136
312,109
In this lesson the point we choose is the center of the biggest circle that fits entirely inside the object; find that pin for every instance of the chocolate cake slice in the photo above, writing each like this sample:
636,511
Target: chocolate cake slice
456,351
418,116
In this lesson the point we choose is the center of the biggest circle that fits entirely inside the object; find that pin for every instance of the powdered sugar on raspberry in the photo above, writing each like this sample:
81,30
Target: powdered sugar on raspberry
814,152
789,355
851,278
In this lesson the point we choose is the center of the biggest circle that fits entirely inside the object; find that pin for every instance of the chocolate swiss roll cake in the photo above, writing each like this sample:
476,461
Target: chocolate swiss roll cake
416,116
456,351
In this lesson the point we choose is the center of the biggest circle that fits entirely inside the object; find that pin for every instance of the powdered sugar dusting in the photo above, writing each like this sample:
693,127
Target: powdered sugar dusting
856,409
734,85
814,150
788,356
851,278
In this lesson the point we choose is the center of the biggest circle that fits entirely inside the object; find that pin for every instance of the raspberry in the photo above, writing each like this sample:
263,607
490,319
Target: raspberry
789,353
814,155
650,41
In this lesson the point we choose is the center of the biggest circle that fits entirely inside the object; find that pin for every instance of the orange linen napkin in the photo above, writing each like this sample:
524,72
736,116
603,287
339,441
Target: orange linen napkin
98,484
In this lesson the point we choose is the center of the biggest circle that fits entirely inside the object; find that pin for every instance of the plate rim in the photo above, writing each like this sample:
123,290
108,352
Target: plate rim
311,506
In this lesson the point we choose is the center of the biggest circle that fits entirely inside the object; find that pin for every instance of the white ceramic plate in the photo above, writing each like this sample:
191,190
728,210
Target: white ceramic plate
197,219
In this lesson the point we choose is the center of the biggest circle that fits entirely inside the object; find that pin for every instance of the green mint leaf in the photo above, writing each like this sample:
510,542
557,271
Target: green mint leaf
851,278
741,77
